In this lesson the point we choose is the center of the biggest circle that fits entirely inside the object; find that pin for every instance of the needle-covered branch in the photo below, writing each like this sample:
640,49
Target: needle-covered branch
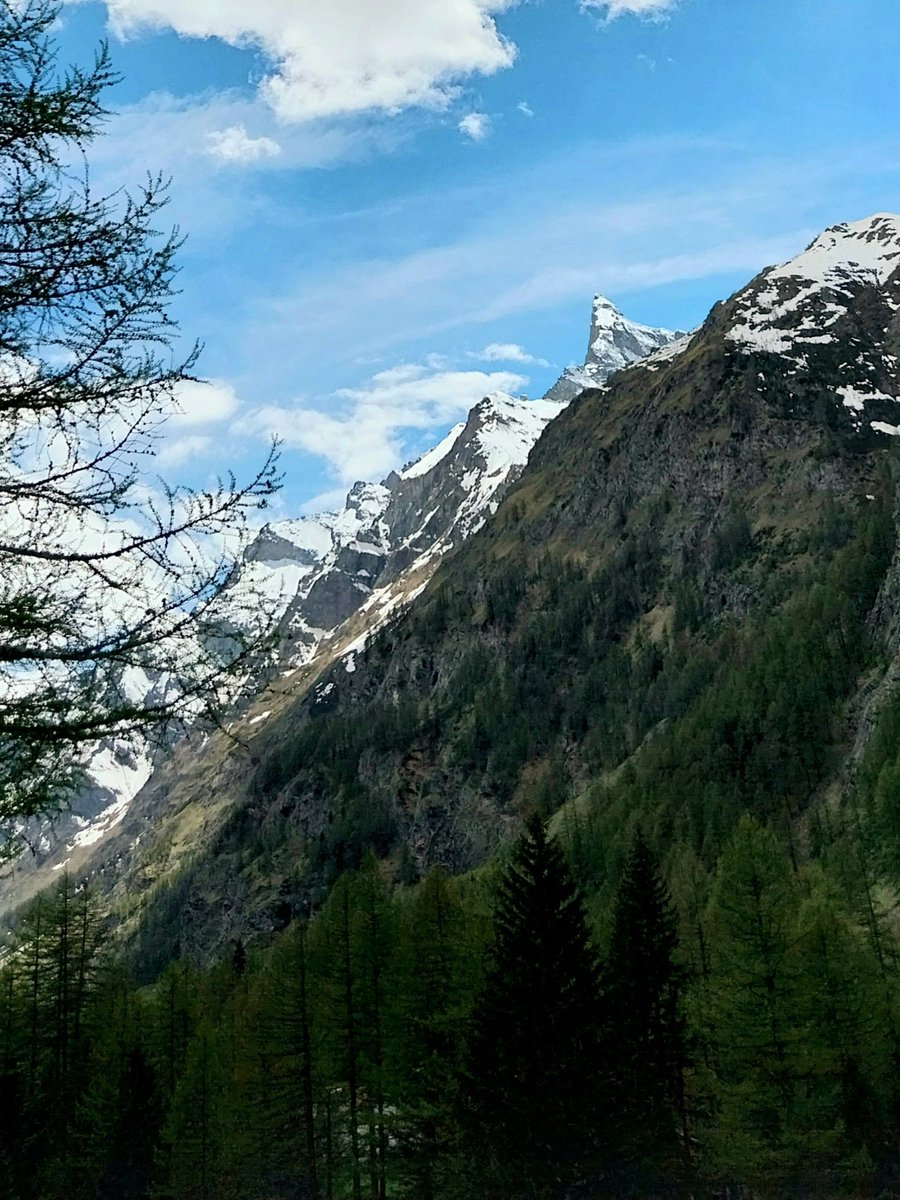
109,577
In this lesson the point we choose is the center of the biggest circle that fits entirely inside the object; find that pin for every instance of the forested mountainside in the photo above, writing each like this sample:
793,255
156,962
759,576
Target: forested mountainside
682,610
579,877
306,577
313,575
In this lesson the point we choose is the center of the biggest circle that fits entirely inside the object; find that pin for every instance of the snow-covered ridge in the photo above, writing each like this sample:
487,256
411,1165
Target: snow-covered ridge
431,458
317,570
796,303
614,343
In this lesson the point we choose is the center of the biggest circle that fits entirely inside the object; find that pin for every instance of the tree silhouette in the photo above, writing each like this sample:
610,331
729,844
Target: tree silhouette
107,577
533,1072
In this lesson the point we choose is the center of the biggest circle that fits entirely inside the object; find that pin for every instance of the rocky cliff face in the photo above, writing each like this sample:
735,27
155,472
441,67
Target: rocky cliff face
614,344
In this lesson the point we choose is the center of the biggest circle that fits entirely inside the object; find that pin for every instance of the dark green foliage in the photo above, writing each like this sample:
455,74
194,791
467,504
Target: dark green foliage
534,1076
733,539
438,950
396,1047
645,1034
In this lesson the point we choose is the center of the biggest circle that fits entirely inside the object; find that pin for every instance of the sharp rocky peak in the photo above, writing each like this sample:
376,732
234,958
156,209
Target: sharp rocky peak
615,342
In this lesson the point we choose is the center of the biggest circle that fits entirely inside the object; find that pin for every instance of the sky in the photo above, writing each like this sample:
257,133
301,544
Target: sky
395,207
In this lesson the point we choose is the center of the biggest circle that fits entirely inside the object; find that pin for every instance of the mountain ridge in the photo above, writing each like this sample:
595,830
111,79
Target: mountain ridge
318,573
684,500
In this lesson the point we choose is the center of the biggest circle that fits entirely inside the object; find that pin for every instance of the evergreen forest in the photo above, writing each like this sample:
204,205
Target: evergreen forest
680,979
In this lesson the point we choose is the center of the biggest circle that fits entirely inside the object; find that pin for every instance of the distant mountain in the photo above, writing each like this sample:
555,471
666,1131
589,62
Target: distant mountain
614,343
321,569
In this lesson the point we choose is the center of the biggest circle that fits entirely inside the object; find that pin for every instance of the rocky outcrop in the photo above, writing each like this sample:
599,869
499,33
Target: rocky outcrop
614,344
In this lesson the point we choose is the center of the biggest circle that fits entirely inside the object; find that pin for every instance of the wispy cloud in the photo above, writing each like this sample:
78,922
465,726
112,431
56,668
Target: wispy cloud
181,136
361,432
525,108
534,246
203,402
652,9
235,145
178,451
196,405
167,132
573,250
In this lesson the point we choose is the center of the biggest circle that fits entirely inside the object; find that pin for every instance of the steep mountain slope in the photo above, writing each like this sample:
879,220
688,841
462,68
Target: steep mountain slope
318,574
696,567
312,574
614,343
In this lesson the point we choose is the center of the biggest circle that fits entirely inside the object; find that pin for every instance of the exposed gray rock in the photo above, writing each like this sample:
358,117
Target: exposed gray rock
614,343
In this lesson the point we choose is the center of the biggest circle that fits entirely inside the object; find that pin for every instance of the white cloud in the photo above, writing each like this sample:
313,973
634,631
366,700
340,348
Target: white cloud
203,402
654,9
475,125
345,56
331,501
360,431
234,145
181,450
525,108
507,352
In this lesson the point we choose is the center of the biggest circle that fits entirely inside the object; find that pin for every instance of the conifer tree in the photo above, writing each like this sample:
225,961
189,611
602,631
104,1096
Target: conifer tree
285,1116
373,936
340,1040
429,1017
193,1128
97,578
768,1121
533,1071
845,1018
645,1029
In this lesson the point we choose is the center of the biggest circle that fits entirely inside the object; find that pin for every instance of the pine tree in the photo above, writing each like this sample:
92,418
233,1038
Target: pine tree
429,1024
193,1127
533,1069
645,1030
95,578
285,1107
373,936
845,1017
768,1122
340,1040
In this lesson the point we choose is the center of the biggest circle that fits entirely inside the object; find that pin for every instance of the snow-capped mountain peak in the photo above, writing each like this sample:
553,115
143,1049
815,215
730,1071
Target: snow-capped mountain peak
858,248
615,342
796,303
319,570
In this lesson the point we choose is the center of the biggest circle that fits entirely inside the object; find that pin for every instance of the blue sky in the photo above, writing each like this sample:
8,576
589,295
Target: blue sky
394,206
